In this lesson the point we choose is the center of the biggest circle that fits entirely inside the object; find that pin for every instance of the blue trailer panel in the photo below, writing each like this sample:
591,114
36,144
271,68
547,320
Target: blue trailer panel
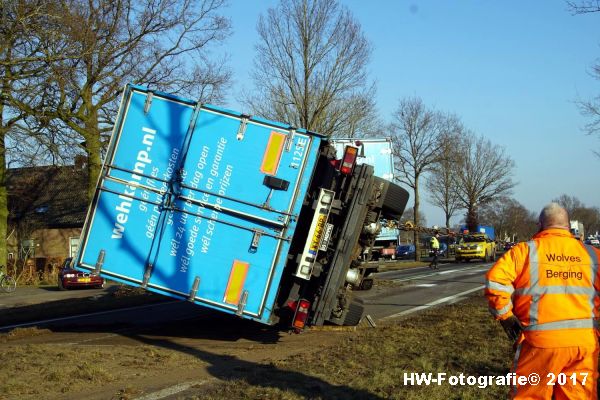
198,202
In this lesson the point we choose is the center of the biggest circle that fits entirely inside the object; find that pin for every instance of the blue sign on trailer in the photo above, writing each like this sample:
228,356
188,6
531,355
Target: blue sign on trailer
192,202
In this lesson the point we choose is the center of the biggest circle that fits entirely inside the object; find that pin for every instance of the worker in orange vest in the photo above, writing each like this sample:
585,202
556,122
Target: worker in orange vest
545,294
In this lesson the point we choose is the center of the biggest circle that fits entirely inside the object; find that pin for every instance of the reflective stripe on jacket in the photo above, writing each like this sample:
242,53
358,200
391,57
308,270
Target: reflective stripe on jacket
551,285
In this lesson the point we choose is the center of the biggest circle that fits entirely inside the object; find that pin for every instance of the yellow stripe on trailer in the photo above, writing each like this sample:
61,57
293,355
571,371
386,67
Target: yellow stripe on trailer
273,153
237,278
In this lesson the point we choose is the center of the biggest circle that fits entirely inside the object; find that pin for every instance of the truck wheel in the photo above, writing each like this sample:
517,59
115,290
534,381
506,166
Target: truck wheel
355,313
395,199
366,284
372,216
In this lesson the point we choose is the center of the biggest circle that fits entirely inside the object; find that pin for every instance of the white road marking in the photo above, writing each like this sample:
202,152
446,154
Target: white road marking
433,303
426,284
161,394
411,278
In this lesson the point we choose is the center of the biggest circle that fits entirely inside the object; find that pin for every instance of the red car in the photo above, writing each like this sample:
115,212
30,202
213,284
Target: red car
69,278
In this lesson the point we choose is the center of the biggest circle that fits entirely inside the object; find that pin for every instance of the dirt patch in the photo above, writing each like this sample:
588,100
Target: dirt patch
247,361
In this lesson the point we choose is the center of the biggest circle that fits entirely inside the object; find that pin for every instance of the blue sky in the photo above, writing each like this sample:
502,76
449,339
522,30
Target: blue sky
511,70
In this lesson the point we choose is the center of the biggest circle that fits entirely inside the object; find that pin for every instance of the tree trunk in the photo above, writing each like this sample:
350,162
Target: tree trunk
472,220
3,201
93,148
94,165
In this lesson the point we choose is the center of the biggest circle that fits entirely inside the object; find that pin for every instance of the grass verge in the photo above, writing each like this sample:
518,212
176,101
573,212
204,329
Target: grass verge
367,363
371,363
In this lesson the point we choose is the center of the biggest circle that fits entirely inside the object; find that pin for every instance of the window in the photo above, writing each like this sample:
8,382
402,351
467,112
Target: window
73,246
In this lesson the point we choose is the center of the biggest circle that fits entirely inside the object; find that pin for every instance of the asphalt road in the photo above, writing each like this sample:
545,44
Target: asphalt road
402,292
415,289
24,296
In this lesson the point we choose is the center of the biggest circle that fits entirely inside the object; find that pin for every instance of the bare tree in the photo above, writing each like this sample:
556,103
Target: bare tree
417,139
484,173
24,54
441,183
589,108
310,68
163,44
578,211
584,6
511,220
570,203
590,217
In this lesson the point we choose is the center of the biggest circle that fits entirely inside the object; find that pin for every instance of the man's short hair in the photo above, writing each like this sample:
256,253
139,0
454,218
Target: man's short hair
554,215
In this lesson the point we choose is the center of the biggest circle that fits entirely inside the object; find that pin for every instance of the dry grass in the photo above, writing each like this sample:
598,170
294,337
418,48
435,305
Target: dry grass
364,364
47,371
371,363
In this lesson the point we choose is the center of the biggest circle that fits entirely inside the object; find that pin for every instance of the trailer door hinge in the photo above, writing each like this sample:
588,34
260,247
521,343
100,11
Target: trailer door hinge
255,240
148,102
194,289
242,129
290,139
242,303
99,261
147,275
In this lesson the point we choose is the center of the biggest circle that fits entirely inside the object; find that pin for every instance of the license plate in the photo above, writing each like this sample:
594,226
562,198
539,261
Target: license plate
326,237
84,280
316,239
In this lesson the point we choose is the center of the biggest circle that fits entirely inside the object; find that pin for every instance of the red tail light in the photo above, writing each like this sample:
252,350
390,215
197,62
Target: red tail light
301,314
349,160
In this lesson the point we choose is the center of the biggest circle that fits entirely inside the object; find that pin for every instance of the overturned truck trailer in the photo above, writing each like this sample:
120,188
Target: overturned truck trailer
240,214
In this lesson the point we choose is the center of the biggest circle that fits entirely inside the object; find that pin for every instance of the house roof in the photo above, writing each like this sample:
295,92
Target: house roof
47,197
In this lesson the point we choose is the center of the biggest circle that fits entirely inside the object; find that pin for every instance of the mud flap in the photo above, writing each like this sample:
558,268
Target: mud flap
355,313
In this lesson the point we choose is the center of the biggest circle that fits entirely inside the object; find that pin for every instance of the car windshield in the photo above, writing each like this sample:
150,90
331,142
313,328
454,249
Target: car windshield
404,248
473,239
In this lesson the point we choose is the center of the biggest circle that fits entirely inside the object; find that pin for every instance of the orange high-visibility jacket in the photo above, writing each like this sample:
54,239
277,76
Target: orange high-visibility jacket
551,285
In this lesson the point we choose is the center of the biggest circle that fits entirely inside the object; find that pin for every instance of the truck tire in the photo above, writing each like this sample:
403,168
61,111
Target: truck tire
395,199
355,313
372,216
366,284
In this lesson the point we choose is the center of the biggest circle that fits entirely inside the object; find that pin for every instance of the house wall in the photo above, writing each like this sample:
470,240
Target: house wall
49,243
